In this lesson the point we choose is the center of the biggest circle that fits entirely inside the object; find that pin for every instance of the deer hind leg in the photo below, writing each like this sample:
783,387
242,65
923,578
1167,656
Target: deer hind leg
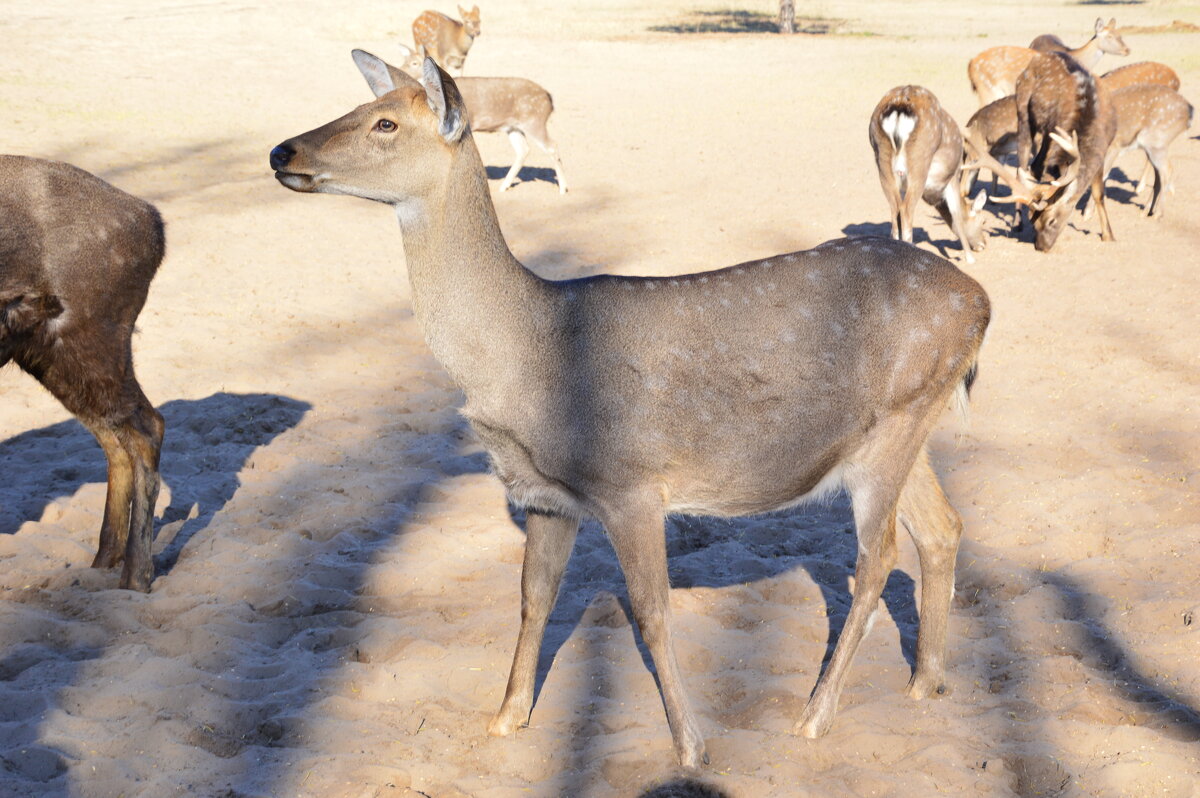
548,543
542,138
1162,179
142,436
521,148
912,196
936,529
639,538
1148,171
874,479
114,530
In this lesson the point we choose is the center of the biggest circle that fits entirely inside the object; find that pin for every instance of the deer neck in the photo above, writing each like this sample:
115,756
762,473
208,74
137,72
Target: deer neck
1089,54
475,302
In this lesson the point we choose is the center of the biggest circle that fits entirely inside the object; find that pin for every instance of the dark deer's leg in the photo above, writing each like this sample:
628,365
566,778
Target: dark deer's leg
114,531
548,543
935,528
639,538
142,437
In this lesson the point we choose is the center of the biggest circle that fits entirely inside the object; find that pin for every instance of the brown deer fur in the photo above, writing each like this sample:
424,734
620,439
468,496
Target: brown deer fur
76,260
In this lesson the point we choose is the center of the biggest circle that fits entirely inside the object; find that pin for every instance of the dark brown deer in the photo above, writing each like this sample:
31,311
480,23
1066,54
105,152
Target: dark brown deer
726,393
1056,93
919,155
76,259
447,40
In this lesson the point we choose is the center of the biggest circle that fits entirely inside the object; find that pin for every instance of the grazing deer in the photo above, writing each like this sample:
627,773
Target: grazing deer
1056,94
518,107
991,129
76,260
447,40
626,399
1151,117
994,72
919,154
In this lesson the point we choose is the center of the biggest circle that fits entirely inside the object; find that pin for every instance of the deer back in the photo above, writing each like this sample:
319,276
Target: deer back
1141,72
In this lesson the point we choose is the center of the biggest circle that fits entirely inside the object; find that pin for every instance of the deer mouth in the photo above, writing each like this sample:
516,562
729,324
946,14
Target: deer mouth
297,181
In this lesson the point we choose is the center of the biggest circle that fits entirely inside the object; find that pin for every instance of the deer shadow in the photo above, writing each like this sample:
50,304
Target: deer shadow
47,464
528,174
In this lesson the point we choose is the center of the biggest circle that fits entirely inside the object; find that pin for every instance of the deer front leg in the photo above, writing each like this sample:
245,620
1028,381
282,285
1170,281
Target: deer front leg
548,543
521,149
953,213
639,538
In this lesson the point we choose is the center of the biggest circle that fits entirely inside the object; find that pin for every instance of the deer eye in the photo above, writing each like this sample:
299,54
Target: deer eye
385,126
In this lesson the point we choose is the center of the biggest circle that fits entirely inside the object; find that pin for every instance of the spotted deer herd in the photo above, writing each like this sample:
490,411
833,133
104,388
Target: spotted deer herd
1064,126
628,399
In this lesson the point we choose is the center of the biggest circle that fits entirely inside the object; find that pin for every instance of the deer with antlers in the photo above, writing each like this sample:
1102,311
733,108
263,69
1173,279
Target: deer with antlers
1065,124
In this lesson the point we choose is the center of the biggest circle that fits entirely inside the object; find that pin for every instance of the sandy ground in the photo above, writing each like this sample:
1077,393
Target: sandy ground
339,577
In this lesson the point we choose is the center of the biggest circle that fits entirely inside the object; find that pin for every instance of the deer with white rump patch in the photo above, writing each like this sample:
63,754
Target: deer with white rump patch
994,72
76,260
919,154
625,399
447,40
518,107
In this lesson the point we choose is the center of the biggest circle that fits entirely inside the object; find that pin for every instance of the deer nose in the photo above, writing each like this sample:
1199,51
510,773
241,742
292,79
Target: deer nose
281,156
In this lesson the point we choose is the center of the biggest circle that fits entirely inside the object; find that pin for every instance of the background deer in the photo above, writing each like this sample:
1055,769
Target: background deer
518,107
76,260
627,398
1141,72
919,154
991,129
1055,93
447,40
1150,117
994,72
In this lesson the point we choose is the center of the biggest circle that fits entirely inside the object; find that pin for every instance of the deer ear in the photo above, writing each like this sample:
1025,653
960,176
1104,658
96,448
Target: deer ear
381,76
980,201
1099,24
405,50
444,100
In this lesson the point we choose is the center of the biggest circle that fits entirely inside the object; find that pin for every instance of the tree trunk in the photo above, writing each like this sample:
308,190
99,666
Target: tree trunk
787,16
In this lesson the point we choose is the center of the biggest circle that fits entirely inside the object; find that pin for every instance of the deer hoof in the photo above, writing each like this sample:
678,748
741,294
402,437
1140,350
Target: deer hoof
503,724
921,687
813,724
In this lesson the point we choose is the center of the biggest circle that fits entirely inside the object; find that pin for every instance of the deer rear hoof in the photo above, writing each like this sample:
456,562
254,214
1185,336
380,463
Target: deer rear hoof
135,581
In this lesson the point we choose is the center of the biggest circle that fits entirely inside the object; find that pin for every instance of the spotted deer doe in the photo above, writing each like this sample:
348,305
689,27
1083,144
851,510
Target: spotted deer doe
447,40
1149,116
919,154
76,260
625,399
994,72
518,107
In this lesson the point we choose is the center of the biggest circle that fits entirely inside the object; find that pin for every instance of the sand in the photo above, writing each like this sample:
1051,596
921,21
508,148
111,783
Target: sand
338,593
